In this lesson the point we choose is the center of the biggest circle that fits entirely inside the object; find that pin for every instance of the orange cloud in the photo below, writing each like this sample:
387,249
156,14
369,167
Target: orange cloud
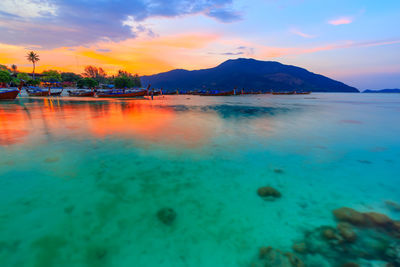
148,56
302,34
287,51
341,21
141,55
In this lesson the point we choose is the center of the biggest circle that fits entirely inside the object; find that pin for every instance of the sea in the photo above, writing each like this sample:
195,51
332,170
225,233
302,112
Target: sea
83,180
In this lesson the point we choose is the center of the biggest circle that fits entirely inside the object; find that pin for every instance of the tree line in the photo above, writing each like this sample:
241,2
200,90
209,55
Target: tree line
91,77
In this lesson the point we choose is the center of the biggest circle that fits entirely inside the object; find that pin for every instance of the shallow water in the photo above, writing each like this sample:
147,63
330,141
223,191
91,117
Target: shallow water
81,180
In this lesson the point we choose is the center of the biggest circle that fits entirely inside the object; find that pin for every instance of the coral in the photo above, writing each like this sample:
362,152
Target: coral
368,219
329,233
349,215
166,215
393,253
350,264
393,206
346,232
276,258
268,192
300,247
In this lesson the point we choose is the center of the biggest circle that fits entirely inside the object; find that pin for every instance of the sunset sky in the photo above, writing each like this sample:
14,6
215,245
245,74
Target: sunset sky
357,41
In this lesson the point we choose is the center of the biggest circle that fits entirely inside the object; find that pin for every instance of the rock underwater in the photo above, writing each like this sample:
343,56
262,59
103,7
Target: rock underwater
359,239
268,192
166,215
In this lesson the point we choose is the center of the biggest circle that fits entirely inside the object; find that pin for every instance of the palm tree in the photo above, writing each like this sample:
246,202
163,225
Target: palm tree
33,57
14,68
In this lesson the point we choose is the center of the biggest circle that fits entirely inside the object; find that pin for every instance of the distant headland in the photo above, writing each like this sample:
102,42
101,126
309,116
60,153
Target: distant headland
395,90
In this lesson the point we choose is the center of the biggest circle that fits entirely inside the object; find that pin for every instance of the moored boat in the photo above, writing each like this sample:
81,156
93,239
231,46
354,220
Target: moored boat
59,93
11,94
81,93
302,93
171,92
38,92
218,93
123,93
291,93
156,92
283,93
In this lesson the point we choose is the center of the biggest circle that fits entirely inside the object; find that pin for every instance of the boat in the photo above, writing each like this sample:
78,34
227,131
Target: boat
229,93
38,92
250,92
302,93
156,92
171,92
11,94
284,93
56,93
291,93
81,93
123,93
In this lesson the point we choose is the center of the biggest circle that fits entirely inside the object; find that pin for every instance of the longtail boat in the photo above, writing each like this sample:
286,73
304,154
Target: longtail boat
251,93
81,93
38,92
302,93
291,93
218,93
284,93
123,93
11,94
155,92
57,93
171,92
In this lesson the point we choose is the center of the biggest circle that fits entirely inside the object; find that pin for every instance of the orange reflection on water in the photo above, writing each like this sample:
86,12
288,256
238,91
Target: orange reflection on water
43,119
12,127
131,119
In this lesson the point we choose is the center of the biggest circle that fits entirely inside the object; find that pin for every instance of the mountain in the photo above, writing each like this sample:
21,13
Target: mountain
249,74
383,91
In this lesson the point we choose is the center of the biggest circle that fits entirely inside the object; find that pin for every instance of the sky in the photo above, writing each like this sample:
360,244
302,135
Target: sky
356,42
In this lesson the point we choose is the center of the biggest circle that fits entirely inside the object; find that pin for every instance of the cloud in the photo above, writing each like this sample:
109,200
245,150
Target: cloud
228,53
56,23
287,51
27,8
249,51
103,50
240,50
142,55
302,34
341,21
138,28
224,15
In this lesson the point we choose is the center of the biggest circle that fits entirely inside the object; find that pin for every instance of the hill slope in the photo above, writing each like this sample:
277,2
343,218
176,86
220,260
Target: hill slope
250,74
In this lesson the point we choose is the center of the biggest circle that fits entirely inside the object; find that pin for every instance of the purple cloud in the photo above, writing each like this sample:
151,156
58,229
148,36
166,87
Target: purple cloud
74,22
103,50
224,15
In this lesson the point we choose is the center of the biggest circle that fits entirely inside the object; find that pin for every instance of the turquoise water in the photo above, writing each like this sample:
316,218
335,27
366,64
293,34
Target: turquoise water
81,180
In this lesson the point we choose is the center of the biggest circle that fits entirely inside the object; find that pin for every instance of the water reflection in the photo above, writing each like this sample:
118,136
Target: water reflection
192,124
32,120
